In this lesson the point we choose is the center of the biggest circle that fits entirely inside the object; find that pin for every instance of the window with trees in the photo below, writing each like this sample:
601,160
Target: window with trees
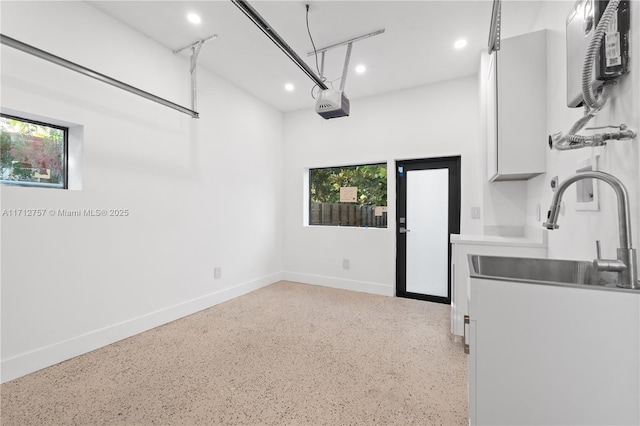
33,153
349,196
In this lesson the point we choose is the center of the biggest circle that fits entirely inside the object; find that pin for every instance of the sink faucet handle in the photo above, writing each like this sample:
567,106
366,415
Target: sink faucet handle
613,265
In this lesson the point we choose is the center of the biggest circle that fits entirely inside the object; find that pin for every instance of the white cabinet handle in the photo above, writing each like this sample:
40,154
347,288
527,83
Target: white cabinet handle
464,332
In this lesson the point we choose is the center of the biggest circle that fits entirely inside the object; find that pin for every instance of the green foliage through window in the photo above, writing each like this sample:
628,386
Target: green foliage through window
369,209
32,153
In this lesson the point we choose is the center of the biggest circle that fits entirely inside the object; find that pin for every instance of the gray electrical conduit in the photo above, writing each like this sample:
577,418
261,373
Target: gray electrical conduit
593,102
590,98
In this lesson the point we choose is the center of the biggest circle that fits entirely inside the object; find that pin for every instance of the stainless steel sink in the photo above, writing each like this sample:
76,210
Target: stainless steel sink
549,271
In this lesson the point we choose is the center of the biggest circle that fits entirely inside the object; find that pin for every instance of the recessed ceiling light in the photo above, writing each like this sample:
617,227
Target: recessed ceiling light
289,87
361,69
194,19
460,43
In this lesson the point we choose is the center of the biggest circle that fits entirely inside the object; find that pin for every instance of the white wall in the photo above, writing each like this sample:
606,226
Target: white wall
219,191
429,121
579,229
201,193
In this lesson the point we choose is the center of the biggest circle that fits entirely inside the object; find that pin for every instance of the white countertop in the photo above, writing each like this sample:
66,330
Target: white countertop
496,240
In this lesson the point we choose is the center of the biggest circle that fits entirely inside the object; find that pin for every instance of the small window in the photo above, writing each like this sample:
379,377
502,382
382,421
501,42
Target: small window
33,153
349,196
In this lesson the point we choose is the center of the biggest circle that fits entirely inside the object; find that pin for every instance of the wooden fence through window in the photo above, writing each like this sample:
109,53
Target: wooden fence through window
346,214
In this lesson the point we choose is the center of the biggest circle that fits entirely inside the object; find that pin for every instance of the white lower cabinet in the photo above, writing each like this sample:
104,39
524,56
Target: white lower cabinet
551,355
461,247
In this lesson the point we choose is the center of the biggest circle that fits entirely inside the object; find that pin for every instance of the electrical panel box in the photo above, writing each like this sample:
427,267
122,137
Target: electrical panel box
612,59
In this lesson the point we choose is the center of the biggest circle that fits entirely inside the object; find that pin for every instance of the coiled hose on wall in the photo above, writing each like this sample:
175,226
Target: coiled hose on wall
593,102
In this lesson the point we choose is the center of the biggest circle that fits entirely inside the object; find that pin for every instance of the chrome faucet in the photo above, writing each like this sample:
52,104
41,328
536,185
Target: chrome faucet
626,263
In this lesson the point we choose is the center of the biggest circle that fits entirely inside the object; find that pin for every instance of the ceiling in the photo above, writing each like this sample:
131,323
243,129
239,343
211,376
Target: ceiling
415,49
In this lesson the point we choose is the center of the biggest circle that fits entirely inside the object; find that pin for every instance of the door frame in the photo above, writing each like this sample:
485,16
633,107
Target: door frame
453,164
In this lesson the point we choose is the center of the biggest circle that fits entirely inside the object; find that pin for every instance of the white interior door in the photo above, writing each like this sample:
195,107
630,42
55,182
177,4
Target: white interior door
427,237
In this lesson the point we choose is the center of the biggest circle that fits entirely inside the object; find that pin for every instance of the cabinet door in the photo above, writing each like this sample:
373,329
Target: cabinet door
551,355
454,299
492,118
516,108
460,273
521,82
471,370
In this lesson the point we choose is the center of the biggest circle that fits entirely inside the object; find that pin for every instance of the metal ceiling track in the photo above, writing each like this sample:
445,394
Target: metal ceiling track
347,58
11,42
347,42
494,30
195,51
264,26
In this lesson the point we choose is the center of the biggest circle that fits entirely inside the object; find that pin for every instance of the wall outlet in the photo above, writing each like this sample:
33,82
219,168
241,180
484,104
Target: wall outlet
346,264
475,212
217,272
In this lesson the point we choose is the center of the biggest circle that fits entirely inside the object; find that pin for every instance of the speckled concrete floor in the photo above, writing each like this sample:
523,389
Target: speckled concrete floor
285,354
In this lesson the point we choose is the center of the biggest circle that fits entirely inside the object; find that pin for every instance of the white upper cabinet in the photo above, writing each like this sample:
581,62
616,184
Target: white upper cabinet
516,105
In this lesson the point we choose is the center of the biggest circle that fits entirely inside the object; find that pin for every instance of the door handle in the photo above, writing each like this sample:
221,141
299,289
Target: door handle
404,230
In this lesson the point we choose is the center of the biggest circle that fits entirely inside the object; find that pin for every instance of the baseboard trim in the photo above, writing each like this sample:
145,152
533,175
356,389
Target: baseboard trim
29,362
353,285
